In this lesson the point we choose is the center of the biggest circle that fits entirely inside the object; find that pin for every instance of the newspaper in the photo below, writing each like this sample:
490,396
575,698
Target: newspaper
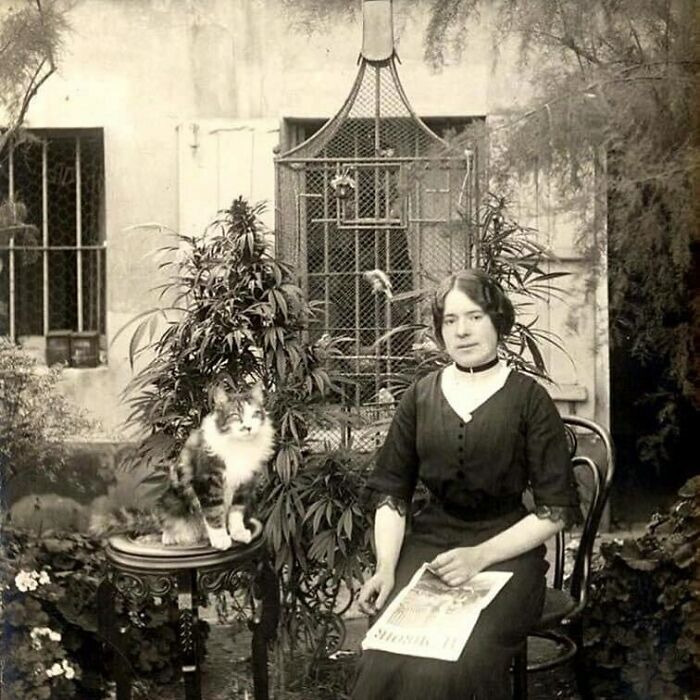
428,618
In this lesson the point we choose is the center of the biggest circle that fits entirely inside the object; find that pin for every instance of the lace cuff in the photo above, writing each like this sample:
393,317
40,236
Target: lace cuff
377,500
570,515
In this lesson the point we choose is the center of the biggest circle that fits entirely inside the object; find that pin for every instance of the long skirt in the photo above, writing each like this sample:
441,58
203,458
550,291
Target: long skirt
482,671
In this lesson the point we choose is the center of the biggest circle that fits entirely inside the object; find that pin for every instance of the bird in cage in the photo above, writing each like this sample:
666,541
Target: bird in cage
385,397
381,284
321,346
343,183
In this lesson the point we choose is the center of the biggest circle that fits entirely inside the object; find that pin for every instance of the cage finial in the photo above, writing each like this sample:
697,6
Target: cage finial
377,30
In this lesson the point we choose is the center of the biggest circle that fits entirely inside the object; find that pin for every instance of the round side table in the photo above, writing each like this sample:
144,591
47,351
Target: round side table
138,570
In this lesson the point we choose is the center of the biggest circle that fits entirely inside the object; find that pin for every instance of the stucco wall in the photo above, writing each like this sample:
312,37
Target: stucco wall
146,71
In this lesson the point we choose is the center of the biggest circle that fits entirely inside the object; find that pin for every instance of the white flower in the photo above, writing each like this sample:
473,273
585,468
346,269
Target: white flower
44,578
69,670
55,670
44,632
26,581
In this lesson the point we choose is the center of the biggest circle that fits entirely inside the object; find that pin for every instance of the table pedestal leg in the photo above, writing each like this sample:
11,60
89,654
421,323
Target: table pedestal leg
264,624
107,627
188,617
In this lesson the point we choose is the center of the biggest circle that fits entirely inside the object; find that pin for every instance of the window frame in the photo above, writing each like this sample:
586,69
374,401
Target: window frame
44,247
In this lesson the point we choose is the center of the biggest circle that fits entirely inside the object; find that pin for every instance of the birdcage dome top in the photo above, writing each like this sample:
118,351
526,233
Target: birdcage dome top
376,120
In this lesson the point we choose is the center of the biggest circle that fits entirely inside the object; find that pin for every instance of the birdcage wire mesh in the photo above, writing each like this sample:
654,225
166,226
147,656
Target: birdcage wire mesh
373,190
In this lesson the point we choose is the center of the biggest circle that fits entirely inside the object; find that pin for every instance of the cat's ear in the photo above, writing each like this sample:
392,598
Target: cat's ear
256,392
219,397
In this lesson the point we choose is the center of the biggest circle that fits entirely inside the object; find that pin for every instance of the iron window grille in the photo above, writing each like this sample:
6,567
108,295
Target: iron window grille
53,281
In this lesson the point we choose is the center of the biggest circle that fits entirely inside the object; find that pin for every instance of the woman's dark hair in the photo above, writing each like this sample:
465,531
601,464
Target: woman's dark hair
482,290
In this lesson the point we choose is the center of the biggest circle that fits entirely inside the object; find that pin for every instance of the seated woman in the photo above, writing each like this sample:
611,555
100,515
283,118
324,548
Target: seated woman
476,433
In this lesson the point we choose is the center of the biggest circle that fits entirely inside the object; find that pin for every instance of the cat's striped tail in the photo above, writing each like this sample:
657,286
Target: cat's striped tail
124,521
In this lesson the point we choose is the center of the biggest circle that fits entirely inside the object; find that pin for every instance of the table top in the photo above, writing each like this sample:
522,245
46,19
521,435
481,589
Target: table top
145,555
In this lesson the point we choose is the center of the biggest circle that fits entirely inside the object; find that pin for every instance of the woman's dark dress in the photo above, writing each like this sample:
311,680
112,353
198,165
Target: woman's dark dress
476,473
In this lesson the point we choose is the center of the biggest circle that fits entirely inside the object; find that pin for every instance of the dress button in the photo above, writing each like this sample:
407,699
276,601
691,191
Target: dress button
459,449
460,474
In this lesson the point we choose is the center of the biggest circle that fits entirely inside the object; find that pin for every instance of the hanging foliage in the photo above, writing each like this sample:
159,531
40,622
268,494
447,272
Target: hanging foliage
614,92
30,39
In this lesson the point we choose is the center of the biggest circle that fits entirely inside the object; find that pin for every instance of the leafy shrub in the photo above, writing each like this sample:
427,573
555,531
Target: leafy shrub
35,420
49,582
235,312
643,630
49,639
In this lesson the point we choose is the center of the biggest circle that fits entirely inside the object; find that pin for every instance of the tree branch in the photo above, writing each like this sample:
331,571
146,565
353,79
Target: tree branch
591,87
642,55
570,43
33,88
565,27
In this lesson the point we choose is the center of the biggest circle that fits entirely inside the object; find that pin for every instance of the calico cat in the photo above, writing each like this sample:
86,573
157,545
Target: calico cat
210,486
212,483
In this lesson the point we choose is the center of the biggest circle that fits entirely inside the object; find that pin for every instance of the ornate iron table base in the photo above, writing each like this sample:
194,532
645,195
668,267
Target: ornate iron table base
138,571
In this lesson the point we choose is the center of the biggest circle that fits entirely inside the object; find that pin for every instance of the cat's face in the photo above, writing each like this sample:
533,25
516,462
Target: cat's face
239,415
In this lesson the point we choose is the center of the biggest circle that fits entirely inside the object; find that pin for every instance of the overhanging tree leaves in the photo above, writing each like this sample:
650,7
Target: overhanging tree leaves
30,37
615,87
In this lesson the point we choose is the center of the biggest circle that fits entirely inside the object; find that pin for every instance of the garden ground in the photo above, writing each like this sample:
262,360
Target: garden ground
226,675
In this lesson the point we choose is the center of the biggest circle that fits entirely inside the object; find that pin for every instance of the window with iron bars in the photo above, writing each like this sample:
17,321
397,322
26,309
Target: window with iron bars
52,271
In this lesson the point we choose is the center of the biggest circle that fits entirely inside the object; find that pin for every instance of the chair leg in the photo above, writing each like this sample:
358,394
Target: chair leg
580,671
520,675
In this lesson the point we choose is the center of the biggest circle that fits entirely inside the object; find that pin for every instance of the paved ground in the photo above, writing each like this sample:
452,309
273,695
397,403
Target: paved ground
226,677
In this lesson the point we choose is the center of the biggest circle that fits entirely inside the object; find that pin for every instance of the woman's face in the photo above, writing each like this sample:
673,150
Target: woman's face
469,334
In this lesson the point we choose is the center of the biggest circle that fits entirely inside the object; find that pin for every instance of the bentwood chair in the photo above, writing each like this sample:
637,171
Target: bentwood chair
558,634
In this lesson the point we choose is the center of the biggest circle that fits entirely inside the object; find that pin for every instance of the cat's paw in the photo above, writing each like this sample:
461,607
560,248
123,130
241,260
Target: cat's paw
242,534
220,539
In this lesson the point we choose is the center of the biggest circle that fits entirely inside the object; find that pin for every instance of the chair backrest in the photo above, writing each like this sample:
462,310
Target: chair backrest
601,473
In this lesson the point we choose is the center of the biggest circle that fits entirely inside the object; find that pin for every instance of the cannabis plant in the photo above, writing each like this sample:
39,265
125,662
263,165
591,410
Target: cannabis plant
510,254
236,312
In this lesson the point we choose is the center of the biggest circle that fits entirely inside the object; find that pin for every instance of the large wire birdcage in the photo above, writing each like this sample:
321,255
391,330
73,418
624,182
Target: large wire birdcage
374,197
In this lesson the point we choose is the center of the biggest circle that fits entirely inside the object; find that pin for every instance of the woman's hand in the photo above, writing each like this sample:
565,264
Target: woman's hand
375,591
457,566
